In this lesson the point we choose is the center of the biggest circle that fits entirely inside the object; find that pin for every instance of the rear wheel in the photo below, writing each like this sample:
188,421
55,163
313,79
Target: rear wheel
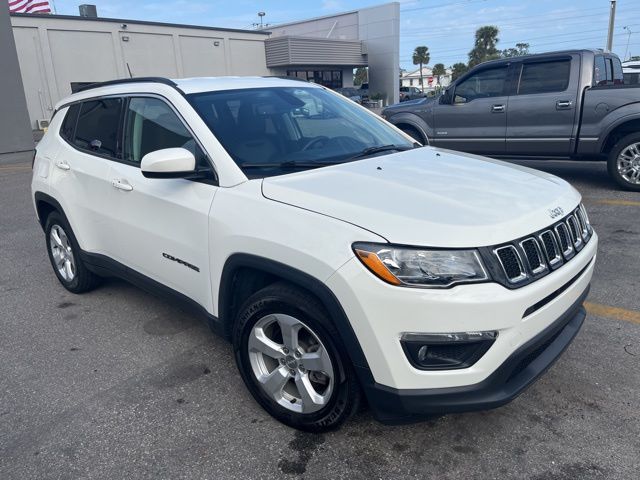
624,162
291,360
64,254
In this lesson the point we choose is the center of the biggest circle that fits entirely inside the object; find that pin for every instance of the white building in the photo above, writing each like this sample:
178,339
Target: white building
58,53
431,81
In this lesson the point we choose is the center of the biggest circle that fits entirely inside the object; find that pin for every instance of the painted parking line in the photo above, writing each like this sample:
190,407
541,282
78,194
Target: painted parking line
613,312
626,203
15,168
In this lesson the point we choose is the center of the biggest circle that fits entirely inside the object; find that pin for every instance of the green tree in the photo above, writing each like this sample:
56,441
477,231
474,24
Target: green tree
361,76
438,71
485,45
635,58
458,69
421,57
521,49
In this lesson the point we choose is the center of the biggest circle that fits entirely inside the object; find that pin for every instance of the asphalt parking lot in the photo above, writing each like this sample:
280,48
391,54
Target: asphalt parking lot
117,383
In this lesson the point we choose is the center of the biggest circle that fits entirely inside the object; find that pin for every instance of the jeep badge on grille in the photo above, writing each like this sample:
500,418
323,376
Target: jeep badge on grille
556,212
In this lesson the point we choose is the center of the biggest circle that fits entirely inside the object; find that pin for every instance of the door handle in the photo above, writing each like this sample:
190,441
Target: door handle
63,165
563,104
497,108
120,185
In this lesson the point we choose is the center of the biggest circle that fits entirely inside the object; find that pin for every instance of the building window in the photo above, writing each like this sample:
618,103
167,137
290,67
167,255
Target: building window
326,78
411,82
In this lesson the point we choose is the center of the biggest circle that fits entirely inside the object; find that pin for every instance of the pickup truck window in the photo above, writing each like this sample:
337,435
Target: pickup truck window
607,71
544,77
486,83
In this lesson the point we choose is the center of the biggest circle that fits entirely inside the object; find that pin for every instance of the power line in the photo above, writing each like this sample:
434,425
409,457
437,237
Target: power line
528,40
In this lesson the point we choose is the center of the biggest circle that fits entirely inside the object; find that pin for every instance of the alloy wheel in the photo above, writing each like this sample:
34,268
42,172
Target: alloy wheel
629,163
62,253
290,363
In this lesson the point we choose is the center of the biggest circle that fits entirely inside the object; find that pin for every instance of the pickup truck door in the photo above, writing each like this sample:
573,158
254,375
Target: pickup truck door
162,225
474,116
542,109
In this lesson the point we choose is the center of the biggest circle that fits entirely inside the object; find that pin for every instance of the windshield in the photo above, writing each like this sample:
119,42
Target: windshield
270,131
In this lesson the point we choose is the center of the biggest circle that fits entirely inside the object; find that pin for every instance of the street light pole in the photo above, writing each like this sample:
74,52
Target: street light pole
612,19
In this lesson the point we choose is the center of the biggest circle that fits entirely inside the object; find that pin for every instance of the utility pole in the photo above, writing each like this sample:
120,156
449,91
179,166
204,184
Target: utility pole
626,50
612,20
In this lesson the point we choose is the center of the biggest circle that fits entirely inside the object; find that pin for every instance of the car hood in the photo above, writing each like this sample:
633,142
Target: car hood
430,197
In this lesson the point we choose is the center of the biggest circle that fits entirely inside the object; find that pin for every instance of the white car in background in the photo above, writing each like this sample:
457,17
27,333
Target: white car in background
342,259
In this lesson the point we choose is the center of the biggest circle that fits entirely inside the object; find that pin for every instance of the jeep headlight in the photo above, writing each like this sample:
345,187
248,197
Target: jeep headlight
416,267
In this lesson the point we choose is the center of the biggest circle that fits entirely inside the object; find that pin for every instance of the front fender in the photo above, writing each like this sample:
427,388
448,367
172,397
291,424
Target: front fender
414,120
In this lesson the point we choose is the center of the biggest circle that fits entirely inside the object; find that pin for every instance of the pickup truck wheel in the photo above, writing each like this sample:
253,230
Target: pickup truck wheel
292,362
624,162
413,133
64,254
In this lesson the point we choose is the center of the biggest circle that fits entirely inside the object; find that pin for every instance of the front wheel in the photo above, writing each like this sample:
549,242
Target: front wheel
413,133
292,362
623,163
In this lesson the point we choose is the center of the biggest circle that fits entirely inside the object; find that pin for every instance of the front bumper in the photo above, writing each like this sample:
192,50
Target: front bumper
520,370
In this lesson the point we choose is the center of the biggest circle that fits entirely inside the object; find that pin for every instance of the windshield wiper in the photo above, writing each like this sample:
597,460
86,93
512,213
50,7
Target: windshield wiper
289,164
378,149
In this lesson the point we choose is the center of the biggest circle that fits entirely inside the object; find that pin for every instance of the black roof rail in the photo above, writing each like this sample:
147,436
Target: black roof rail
119,81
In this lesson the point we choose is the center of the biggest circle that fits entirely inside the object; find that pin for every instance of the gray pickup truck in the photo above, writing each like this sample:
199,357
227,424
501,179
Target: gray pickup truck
562,105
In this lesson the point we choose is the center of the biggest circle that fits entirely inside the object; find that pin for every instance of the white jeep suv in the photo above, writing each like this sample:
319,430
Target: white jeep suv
341,260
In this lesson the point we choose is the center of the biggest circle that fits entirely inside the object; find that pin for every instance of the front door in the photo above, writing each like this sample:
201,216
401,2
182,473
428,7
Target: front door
474,119
542,109
163,229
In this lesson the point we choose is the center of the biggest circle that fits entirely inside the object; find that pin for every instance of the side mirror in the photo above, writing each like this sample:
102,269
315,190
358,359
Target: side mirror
168,163
445,99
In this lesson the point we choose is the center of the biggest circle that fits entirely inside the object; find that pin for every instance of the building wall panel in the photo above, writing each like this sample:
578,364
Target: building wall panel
201,57
81,56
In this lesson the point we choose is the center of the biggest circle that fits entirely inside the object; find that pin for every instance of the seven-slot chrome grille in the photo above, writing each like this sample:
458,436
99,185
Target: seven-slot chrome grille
525,260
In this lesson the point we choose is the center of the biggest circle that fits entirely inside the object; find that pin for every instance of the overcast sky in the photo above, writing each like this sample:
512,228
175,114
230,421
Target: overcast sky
446,27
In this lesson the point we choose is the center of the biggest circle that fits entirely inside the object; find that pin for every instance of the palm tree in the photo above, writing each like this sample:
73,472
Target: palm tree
420,57
438,71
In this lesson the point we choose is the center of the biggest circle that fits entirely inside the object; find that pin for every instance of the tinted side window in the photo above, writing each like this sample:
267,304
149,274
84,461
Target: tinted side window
618,77
69,123
599,71
487,83
151,125
97,128
544,77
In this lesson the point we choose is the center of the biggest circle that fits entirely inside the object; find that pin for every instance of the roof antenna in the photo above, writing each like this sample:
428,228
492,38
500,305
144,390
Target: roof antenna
129,68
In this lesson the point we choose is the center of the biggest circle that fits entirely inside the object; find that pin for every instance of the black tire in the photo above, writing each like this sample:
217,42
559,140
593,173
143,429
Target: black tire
612,161
413,133
83,280
283,298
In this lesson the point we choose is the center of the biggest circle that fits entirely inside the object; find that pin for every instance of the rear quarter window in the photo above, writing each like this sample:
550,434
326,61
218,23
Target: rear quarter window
68,128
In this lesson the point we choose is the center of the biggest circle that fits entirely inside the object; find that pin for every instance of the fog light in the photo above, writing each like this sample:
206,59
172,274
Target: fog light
446,351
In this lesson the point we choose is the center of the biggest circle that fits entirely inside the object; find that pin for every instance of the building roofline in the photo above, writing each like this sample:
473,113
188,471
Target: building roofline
138,22
323,17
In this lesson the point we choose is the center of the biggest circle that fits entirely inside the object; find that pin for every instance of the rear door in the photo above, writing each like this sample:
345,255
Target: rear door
81,174
542,110
475,117
162,223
